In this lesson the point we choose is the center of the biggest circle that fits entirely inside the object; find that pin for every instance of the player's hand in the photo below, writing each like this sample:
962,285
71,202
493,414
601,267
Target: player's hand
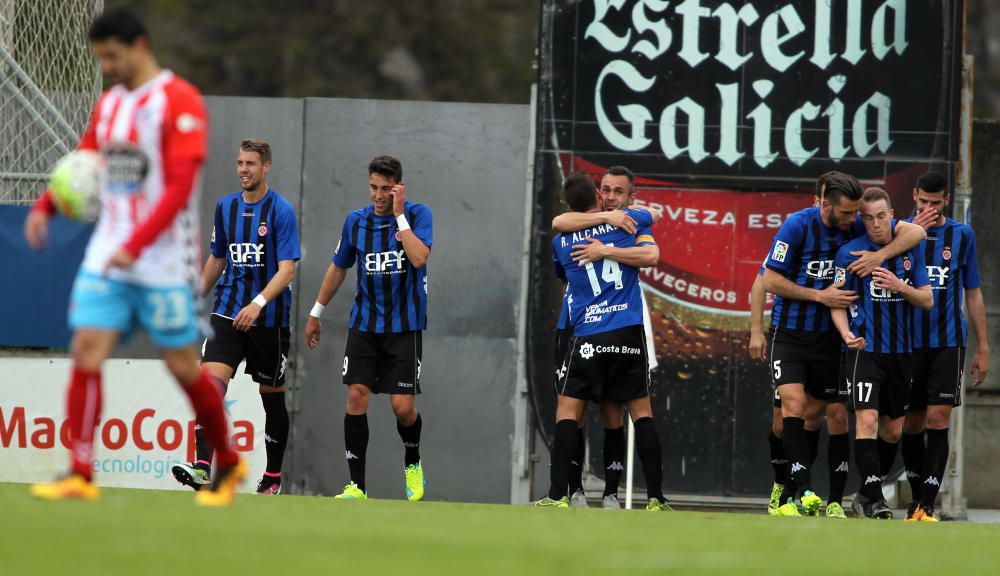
758,345
36,229
885,279
621,219
833,297
120,259
926,219
398,198
592,251
852,341
867,262
980,366
247,316
314,327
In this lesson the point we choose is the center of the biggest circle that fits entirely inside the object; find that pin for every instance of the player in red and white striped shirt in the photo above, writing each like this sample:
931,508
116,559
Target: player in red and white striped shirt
142,262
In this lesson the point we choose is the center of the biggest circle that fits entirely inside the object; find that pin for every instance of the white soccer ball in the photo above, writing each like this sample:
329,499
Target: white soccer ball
75,183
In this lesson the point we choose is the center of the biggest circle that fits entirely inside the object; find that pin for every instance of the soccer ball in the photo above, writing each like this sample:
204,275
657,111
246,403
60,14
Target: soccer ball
75,183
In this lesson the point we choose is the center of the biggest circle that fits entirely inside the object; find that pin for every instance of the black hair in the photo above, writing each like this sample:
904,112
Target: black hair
118,22
387,166
840,185
933,182
580,192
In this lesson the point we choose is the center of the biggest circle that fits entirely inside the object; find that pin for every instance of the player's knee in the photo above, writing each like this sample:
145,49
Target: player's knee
937,419
357,399
866,424
611,415
86,352
890,434
836,423
406,414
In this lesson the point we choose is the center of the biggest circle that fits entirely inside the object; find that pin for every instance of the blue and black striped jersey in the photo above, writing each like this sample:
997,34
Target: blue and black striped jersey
803,251
950,255
253,238
391,294
603,295
884,318
644,220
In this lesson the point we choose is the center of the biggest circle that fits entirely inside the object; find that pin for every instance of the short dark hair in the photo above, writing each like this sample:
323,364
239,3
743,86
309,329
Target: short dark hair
258,146
874,194
623,171
840,185
821,183
933,182
117,22
387,166
580,192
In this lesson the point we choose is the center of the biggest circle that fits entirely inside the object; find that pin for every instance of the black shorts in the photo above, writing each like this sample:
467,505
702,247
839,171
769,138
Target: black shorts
385,363
607,366
843,381
564,338
264,348
937,377
807,358
879,382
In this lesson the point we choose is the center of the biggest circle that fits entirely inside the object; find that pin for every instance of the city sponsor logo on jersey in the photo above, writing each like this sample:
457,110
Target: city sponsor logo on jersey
125,168
938,276
388,262
779,252
241,253
881,294
820,269
588,350
596,312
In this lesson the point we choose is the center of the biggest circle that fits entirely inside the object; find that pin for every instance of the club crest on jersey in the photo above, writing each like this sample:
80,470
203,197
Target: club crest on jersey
399,237
262,230
907,264
779,252
946,253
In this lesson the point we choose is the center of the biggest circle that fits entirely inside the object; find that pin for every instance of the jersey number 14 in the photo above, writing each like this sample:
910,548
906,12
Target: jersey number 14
611,272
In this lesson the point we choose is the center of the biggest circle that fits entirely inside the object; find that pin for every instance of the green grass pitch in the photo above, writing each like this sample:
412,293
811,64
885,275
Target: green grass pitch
154,532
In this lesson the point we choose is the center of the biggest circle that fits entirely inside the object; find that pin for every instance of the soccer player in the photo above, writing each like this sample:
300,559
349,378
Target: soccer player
878,340
255,245
805,349
838,448
939,342
150,128
391,238
606,361
616,193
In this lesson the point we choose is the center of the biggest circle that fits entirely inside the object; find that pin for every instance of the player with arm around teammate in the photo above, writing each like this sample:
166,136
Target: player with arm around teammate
616,192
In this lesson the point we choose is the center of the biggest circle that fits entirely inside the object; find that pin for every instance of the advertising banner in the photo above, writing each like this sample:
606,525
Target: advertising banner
146,426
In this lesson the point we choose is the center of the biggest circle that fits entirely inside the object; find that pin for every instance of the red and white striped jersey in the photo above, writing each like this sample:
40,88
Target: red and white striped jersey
141,134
